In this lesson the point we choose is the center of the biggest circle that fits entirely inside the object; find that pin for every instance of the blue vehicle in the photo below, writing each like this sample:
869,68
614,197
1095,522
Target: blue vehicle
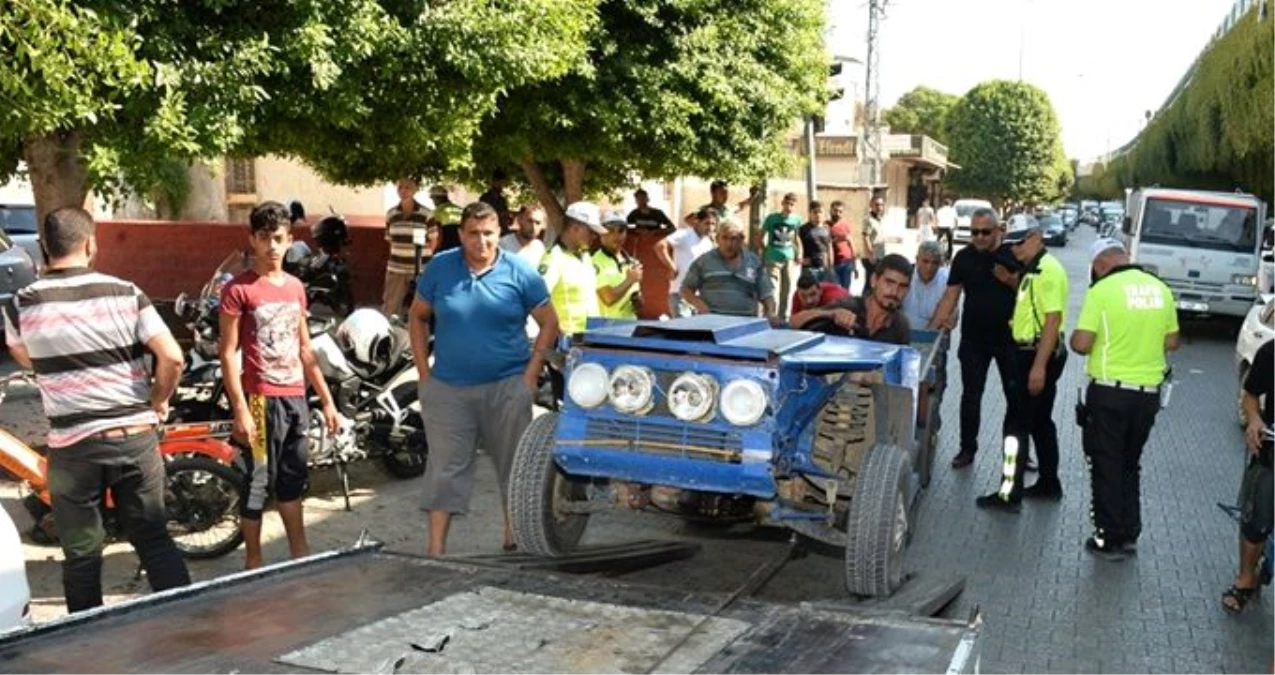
726,419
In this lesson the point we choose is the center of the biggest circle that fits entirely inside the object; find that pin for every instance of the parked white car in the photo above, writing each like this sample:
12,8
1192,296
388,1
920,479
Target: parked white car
1259,326
15,593
964,209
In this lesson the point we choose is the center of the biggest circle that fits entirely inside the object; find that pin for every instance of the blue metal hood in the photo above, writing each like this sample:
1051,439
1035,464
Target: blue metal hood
742,338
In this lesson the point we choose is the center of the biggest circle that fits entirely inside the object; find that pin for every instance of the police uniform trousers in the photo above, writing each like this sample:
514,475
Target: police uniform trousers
1116,428
1031,418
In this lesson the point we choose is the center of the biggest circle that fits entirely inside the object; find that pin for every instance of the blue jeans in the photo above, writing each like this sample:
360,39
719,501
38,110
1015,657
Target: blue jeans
845,273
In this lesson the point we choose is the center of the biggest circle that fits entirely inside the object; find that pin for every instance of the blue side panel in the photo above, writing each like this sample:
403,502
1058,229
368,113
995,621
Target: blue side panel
690,474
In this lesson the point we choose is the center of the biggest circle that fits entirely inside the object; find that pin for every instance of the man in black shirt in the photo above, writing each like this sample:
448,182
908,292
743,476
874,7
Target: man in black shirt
647,217
878,316
816,245
1256,501
985,333
495,198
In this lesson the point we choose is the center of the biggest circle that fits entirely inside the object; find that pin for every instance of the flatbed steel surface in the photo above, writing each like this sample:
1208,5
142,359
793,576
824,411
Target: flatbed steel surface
247,624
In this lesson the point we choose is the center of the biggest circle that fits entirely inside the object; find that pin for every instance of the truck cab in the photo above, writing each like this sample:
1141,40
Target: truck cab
1204,245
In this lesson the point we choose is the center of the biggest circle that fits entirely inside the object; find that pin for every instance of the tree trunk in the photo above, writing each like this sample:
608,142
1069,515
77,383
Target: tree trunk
554,210
59,175
573,179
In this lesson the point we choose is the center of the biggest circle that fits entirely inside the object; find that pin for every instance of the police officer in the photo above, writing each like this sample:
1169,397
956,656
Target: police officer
1127,325
1039,356
619,276
568,269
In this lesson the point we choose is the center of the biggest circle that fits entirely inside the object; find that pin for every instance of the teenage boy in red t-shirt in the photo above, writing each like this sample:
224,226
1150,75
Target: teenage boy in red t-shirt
263,311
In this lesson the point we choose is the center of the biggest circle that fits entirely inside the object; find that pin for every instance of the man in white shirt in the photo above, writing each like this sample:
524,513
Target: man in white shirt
925,221
929,282
525,238
945,219
678,250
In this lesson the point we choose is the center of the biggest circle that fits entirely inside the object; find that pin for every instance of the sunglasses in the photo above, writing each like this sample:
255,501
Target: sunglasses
982,233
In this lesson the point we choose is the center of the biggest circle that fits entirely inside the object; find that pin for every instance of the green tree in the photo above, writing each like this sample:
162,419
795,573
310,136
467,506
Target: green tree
922,111
1006,137
105,94
709,88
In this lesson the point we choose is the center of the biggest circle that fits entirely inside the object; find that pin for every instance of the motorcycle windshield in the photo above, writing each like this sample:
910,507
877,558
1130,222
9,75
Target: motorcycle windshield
231,267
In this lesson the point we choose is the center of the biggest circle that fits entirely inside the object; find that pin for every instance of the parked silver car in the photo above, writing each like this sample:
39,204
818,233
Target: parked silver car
18,221
17,266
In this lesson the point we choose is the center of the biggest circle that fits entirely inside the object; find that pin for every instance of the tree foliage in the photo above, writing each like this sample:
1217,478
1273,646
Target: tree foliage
100,93
1006,138
922,111
1219,131
671,87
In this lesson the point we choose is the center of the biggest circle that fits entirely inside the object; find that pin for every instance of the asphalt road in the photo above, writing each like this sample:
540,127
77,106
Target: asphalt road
1048,606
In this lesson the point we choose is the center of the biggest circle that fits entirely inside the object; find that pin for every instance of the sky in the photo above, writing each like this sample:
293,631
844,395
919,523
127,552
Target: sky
1103,63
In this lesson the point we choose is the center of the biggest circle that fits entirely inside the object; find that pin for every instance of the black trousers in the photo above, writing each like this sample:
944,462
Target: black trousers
868,267
1115,432
134,472
1032,418
976,353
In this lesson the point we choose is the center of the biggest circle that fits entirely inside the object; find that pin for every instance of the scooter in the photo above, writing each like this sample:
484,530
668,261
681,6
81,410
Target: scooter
204,485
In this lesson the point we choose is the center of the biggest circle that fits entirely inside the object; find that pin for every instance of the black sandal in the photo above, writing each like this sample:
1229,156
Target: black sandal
509,548
1239,596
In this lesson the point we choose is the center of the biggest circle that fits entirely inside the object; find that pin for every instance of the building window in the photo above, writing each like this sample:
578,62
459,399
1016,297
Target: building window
241,176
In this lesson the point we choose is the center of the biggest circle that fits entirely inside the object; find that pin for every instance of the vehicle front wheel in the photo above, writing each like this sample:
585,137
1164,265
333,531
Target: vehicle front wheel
878,523
202,499
539,493
406,458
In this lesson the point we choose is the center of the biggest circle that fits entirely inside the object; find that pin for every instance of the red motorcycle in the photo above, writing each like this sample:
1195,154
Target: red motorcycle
204,484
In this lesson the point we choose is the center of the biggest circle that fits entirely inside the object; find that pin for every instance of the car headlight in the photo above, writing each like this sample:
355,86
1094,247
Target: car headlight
588,385
1244,279
632,389
691,397
743,402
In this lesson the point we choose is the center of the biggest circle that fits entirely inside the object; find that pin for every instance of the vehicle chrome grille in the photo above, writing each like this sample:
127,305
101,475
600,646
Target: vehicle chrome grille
664,438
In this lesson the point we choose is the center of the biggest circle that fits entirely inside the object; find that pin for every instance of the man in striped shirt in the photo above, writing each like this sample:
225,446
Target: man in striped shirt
85,335
405,225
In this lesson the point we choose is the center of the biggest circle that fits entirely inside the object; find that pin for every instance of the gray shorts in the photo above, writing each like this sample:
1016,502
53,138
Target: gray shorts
460,419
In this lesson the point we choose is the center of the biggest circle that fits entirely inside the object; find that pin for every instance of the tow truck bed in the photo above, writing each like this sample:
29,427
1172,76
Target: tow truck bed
281,618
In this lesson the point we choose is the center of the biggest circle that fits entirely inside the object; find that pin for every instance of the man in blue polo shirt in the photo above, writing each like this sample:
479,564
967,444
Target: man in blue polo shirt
481,387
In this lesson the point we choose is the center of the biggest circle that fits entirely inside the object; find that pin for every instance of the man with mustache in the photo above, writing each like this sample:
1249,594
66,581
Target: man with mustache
877,316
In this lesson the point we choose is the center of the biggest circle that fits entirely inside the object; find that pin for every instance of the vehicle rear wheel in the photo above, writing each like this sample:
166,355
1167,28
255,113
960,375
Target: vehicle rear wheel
878,523
202,498
538,493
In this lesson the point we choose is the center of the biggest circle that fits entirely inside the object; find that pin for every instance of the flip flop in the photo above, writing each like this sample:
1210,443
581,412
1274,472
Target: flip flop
509,548
1239,598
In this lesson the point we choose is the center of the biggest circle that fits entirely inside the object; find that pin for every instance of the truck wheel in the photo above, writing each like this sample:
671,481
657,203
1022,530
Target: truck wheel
538,490
878,522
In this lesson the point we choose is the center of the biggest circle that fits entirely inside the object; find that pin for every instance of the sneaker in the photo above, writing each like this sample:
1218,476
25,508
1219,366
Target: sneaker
962,459
1105,551
1050,490
993,502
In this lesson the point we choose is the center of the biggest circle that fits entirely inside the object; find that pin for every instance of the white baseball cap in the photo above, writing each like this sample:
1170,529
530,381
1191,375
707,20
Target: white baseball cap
587,213
1102,245
615,217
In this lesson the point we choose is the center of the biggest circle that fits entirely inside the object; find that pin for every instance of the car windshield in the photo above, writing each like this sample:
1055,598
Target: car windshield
1221,227
1052,220
966,209
18,219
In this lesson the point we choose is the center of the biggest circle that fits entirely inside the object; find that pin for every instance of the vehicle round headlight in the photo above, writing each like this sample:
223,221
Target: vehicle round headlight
588,385
743,402
632,389
691,397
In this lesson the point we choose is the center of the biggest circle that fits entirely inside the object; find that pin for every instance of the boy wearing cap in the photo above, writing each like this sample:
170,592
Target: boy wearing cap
1127,326
568,270
1039,356
619,276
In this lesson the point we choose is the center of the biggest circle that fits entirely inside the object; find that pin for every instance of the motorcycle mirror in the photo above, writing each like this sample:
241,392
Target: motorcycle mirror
297,211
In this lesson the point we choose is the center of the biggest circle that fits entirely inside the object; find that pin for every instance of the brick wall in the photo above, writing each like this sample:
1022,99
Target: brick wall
165,258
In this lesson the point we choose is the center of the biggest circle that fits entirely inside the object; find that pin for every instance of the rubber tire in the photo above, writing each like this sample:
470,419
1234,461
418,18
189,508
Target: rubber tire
226,473
533,480
404,396
874,546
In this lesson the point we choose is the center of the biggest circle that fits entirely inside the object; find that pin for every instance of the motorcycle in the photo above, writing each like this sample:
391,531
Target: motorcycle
367,365
203,487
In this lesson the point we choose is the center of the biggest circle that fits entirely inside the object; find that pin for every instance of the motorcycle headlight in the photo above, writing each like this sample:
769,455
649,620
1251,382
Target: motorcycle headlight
743,402
691,397
632,389
588,385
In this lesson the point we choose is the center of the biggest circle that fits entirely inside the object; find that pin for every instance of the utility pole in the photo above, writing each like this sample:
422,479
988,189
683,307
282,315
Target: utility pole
872,87
810,160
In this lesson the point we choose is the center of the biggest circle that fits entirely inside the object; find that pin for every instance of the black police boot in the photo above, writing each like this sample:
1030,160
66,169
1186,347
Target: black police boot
994,502
1099,548
1044,489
